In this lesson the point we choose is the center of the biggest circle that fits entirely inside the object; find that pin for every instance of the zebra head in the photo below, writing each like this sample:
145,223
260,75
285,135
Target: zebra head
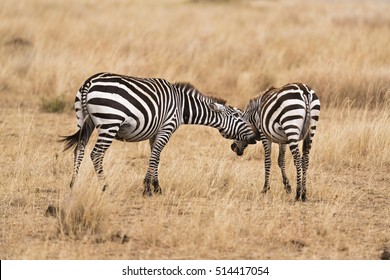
232,125
239,146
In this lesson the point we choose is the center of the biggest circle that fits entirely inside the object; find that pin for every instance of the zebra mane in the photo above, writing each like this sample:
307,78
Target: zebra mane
254,102
186,86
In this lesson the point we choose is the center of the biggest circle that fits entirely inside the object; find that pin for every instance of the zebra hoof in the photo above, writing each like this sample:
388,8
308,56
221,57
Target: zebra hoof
51,211
287,187
147,193
300,197
156,187
105,187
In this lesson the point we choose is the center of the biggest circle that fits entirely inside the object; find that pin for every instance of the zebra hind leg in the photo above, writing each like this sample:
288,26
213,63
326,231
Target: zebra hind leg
103,142
267,163
282,165
298,166
305,164
78,157
78,140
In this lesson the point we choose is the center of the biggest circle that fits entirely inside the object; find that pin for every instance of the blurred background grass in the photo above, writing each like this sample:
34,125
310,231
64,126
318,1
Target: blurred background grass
233,49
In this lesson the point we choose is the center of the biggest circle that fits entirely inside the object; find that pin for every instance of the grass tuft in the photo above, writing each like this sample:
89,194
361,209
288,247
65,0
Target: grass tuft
53,105
83,213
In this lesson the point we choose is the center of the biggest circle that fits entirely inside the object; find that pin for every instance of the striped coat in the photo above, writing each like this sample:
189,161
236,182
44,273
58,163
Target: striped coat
136,109
286,116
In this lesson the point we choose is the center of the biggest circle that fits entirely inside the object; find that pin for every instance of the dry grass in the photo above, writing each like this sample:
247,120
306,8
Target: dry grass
211,207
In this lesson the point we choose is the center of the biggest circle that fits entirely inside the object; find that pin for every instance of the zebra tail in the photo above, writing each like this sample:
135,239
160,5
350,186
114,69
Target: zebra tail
306,123
83,120
81,136
83,91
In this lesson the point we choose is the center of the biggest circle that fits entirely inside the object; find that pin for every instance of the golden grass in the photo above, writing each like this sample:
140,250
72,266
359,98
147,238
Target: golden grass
211,207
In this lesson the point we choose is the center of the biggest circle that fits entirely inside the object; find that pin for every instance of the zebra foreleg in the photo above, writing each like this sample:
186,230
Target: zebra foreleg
282,165
149,178
147,191
152,177
267,163
157,144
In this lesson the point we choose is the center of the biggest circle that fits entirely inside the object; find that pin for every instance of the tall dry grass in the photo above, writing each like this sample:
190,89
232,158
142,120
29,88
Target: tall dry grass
211,205
233,50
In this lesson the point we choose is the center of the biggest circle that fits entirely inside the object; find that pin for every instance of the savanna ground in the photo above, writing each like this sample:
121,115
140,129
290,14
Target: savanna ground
211,207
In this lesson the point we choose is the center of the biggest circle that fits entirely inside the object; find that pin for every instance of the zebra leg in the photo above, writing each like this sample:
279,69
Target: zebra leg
150,173
157,144
297,162
151,142
305,162
282,165
267,144
104,141
78,157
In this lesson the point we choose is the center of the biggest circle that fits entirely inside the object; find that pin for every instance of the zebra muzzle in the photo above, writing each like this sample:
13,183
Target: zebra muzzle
235,149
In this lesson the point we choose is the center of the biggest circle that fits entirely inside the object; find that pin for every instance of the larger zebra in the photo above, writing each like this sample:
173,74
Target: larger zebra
135,109
284,115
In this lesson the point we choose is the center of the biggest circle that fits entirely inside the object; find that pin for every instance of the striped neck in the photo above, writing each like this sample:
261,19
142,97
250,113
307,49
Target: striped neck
194,106
251,112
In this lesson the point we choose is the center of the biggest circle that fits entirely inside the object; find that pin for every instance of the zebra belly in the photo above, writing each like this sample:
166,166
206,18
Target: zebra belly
131,131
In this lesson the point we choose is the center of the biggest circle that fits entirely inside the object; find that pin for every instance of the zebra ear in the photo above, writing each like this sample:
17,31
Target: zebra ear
216,107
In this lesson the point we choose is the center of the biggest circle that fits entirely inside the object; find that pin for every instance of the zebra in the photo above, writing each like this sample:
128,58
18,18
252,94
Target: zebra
134,109
284,115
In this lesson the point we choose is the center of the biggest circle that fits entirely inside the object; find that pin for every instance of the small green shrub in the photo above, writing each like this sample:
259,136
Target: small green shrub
53,105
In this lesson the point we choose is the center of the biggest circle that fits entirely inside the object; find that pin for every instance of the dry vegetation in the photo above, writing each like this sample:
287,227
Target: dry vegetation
211,207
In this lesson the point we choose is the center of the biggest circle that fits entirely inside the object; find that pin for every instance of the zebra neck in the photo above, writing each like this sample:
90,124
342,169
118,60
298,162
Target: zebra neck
197,111
251,115
195,106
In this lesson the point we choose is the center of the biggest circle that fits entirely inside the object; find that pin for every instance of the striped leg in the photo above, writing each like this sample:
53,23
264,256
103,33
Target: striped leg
157,144
298,164
106,136
282,165
78,157
267,144
305,158
305,164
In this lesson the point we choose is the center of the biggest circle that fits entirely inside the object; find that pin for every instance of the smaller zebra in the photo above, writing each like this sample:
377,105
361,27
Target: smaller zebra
284,115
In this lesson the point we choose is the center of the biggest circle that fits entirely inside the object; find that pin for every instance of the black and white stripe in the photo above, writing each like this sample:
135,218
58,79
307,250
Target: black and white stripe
136,109
284,115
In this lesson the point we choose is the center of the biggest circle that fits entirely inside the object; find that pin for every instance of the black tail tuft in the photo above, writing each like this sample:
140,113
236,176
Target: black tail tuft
81,136
71,140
